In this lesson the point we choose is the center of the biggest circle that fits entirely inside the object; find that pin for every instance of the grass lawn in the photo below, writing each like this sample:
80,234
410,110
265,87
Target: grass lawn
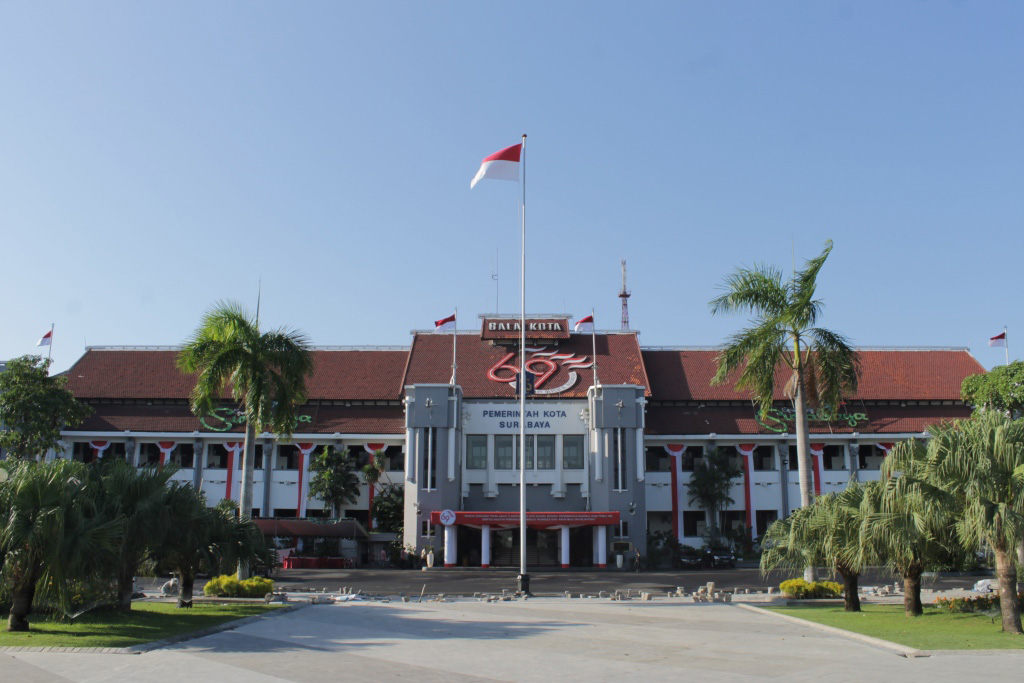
934,630
147,622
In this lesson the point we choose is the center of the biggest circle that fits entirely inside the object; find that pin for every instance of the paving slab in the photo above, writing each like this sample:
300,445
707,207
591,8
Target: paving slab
554,639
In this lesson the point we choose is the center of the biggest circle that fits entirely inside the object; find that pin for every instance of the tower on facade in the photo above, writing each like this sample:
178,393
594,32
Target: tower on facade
624,295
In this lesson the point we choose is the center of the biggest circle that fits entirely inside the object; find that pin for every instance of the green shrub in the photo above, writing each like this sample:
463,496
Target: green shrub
980,603
802,590
227,586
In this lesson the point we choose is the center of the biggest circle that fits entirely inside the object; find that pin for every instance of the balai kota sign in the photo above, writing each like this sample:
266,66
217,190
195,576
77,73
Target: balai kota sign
536,328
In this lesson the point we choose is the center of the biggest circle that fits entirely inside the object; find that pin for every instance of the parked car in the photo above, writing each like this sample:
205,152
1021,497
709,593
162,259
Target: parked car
690,559
719,556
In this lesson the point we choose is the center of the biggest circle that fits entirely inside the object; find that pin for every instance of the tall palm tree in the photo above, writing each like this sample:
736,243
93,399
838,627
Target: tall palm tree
979,463
335,478
266,373
821,365
51,532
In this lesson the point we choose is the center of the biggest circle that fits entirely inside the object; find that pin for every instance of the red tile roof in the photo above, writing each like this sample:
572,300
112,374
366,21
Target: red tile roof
682,375
347,374
618,362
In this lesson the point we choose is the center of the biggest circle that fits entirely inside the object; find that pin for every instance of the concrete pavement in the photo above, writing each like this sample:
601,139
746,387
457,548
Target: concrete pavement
550,639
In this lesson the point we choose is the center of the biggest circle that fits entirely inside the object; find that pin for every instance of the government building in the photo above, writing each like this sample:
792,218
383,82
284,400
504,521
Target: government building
614,430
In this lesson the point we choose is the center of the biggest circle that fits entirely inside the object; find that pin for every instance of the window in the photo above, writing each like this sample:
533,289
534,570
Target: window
217,457
257,460
394,459
430,460
183,455
476,452
529,452
870,457
287,457
764,519
572,452
693,523
656,459
690,456
618,459
149,455
834,458
286,512
622,531
794,460
764,458
733,520
546,452
426,528
504,445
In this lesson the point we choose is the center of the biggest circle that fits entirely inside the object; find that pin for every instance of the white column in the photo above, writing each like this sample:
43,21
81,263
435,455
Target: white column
451,454
485,546
602,546
450,550
598,455
565,547
410,455
641,460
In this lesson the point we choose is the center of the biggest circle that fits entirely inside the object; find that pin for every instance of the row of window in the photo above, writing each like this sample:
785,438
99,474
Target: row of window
540,452
869,457
183,455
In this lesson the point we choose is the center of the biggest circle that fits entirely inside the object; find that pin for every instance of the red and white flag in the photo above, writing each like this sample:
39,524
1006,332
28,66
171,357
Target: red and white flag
445,324
585,324
998,340
502,165
45,339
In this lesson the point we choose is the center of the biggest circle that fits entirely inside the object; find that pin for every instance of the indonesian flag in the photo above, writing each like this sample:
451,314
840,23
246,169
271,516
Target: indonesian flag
585,324
503,165
445,324
998,340
48,337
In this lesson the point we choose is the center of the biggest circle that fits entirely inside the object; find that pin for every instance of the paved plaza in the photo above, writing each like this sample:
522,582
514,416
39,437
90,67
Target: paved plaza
544,639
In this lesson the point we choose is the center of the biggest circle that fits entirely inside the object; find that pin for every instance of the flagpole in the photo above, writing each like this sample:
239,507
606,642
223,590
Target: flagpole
455,345
593,342
49,347
1006,344
524,579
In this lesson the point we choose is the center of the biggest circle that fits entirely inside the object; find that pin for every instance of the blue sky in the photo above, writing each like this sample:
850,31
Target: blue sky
156,157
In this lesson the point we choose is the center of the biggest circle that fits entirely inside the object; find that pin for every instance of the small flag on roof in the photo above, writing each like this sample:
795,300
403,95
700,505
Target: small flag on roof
585,324
445,324
998,340
46,339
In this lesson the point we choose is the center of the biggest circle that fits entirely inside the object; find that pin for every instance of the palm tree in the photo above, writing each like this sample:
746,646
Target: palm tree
821,365
372,472
826,532
906,523
710,486
266,373
51,532
335,480
137,497
979,463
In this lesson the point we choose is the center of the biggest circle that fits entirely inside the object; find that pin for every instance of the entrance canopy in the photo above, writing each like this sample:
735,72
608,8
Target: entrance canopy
534,520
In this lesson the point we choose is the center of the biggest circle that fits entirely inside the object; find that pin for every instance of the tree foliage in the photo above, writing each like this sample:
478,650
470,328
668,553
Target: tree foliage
389,508
334,479
34,407
710,486
1000,389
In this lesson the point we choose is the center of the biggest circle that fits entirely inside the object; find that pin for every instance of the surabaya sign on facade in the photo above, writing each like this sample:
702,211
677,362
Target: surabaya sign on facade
783,420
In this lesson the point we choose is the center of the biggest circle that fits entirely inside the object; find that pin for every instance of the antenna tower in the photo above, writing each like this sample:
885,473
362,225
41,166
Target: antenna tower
624,295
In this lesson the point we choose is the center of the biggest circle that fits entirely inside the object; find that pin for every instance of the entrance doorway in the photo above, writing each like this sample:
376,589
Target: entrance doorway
541,548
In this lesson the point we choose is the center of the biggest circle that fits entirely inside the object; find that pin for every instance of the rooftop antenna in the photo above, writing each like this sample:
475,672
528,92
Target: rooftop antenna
494,276
624,295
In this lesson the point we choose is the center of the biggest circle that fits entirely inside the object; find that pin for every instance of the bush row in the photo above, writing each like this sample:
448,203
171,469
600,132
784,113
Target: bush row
981,603
227,586
801,589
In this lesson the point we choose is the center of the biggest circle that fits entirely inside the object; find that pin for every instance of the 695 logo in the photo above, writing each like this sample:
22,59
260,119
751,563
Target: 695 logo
543,364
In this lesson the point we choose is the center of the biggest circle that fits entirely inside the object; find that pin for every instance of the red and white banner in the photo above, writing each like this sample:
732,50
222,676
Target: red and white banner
817,451
445,324
304,450
886,447
46,339
585,324
166,448
99,447
747,451
502,165
998,340
234,449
